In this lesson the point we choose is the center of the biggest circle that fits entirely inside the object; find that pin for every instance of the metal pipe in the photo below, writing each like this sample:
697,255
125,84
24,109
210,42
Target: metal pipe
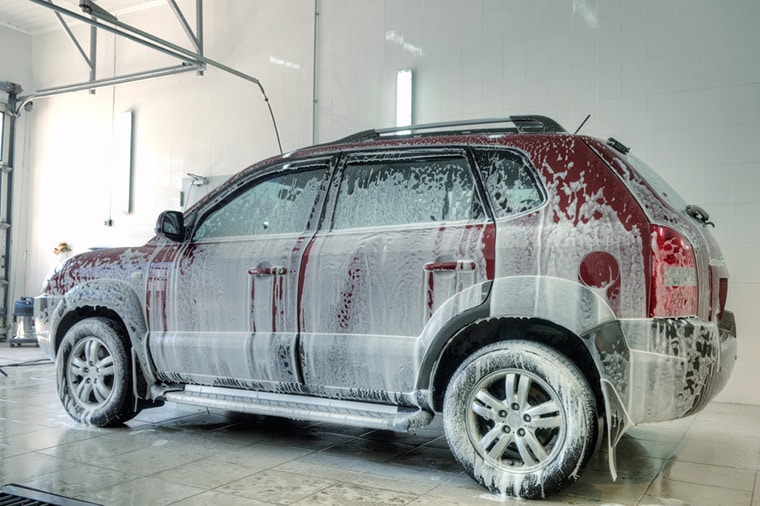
111,81
199,27
94,54
95,22
314,103
73,39
165,47
199,24
185,26
12,99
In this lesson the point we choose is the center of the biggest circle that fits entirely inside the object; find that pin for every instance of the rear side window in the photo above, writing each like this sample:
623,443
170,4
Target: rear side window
509,180
277,205
407,191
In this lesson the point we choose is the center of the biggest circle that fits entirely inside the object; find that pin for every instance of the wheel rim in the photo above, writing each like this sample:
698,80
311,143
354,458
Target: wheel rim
515,420
90,372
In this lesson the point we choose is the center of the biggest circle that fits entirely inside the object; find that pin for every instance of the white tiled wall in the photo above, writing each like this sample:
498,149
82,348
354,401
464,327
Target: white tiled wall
678,80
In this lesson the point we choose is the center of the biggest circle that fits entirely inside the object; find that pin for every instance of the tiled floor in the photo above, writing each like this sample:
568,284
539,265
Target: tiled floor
183,456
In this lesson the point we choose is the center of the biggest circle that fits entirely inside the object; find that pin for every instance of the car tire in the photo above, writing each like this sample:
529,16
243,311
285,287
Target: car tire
521,419
94,373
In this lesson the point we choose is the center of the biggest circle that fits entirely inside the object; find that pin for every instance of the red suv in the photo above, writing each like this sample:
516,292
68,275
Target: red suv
529,285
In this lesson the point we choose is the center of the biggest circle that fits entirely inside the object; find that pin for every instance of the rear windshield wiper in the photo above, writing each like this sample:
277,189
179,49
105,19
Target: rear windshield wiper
699,214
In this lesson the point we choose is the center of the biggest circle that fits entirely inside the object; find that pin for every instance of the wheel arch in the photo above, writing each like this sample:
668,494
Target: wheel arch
118,302
484,332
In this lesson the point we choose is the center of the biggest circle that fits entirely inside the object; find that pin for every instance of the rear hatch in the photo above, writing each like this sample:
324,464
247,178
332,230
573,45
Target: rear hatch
687,274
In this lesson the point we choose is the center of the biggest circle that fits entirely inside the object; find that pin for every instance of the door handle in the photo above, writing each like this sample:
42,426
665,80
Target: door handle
268,271
457,265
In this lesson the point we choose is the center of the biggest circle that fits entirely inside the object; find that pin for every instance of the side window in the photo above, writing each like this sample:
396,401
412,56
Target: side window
406,191
509,180
278,205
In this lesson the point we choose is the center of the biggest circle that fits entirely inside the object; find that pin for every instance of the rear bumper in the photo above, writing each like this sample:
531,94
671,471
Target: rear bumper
665,368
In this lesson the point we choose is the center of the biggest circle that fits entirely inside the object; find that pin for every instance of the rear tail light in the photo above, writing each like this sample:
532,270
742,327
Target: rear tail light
673,290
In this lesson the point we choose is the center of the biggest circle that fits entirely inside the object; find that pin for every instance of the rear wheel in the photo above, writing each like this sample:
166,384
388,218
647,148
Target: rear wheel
94,374
521,419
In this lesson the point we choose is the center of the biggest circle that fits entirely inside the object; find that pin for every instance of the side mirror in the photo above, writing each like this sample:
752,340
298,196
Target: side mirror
171,225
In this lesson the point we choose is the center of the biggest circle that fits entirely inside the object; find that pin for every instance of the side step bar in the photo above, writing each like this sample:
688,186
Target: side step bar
301,407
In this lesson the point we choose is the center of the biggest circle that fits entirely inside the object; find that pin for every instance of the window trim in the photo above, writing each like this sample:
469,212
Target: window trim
374,156
226,196
535,173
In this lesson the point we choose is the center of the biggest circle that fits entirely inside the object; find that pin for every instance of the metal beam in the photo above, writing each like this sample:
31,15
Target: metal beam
73,38
185,26
136,35
102,83
12,90
108,28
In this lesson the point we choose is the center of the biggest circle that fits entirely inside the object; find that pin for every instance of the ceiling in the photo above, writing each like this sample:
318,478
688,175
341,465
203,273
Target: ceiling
31,18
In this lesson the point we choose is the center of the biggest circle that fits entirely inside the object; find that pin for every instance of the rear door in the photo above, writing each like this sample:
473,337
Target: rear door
403,234
231,291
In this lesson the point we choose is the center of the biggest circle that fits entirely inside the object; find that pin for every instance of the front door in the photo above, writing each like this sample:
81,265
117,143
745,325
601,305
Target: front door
231,297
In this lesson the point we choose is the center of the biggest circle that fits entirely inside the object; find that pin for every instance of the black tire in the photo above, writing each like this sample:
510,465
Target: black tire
94,374
521,419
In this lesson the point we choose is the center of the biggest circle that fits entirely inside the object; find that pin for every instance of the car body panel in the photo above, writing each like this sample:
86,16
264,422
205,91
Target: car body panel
349,310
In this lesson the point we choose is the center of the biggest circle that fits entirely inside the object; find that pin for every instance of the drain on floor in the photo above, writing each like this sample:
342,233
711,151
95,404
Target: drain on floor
17,495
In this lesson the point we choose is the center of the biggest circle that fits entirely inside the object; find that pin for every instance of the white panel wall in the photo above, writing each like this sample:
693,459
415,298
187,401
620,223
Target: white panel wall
678,80
15,57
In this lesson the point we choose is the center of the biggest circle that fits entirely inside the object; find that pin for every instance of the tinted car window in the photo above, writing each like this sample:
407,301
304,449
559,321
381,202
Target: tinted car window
510,181
277,205
404,192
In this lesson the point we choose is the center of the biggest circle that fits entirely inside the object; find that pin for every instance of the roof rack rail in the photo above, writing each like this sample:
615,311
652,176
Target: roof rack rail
521,124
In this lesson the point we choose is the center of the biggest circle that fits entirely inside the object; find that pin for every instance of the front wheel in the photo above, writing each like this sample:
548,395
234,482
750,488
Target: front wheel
94,374
521,419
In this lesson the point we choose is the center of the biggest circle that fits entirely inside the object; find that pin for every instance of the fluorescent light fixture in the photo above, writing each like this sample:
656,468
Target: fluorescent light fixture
122,163
404,98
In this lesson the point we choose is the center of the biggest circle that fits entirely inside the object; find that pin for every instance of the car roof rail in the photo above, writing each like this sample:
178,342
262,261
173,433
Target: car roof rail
520,124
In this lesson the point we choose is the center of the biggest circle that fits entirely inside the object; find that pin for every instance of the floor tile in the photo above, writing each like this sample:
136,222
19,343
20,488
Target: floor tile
207,474
716,476
719,449
347,494
143,490
20,468
669,492
78,481
353,469
276,486
215,497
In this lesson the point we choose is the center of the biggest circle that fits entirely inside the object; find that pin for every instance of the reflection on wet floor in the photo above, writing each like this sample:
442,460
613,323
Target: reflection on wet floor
187,456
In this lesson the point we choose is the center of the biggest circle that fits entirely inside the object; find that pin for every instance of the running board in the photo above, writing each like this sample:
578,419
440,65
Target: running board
301,407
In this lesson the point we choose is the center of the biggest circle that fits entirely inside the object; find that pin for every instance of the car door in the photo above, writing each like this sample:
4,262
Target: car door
231,290
405,233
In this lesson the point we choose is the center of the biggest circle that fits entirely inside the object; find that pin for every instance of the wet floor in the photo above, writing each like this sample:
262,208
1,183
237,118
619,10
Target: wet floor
188,456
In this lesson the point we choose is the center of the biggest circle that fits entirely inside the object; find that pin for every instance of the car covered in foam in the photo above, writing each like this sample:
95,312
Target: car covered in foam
541,291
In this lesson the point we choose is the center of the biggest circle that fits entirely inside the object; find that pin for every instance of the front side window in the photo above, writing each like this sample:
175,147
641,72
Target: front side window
280,204
406,191
510,181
